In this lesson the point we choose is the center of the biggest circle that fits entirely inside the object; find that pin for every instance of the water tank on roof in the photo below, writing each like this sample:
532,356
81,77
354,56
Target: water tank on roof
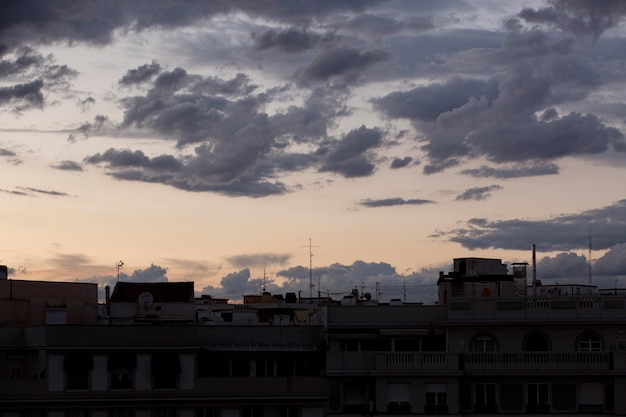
4,272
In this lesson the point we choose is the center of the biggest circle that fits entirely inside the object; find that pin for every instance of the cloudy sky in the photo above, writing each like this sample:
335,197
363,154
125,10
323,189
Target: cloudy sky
236,143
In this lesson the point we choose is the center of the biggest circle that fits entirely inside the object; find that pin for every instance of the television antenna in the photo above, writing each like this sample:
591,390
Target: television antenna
119,265
310,246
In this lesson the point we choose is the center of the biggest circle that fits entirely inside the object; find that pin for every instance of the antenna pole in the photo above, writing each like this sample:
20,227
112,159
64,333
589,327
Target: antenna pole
118,266
310,246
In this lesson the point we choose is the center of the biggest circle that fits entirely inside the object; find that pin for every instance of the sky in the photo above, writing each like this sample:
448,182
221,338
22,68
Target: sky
311,146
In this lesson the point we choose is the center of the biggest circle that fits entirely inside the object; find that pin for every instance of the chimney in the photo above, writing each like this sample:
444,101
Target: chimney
534,271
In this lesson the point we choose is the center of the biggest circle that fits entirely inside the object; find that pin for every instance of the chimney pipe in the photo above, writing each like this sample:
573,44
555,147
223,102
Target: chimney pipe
107,292
534,271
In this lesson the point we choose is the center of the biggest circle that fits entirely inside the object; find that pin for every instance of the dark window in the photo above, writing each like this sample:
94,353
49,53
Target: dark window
76,412
538,401
121,412
589,341
284,366
121,367
511,397
564,397
436,403
77,366
485,398
240,366
165,370
207,412
484,342
376,345
252,411
334,397
537,342
164,412
466,397
402,344
609,397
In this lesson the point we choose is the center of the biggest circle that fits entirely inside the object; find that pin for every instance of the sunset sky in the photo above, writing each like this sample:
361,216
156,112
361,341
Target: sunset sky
225,141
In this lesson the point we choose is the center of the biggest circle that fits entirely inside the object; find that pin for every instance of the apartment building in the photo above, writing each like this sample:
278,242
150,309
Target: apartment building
495,343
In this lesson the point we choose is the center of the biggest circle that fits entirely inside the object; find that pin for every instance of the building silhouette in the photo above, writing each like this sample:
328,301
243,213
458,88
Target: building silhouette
495,343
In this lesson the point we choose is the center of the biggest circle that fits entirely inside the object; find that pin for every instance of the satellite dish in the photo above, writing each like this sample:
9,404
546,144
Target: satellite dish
145,299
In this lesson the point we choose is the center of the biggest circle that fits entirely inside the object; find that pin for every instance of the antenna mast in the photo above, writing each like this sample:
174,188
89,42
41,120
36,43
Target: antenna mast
311,271
119,265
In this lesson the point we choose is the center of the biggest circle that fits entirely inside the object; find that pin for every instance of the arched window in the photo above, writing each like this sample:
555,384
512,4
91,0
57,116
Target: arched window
537,341
589,341
484,342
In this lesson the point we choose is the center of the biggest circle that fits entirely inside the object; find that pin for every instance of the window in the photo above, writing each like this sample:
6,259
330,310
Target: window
165,370
484,342
207,412
485,398
121,412
564,397
399,398
164,412
14,367
512,397
589,342
121,367
436,401
538,401
537,341
77,366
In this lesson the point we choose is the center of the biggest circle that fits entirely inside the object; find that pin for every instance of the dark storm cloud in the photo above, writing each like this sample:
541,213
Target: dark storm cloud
343,65
510,117
477,193
28,75
68,166
428,102
141,74
194,173
338,280
515,171
24,96
564,265
585,17
87,129
347,157
258,260
26,59
239,150
398,163
377,26
388,202
613,262
566,232
290,40
137,159
95,21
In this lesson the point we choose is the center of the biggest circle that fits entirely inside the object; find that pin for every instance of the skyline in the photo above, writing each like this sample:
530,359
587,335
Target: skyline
215,141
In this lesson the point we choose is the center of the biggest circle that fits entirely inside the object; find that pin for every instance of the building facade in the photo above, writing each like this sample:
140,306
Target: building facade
493,344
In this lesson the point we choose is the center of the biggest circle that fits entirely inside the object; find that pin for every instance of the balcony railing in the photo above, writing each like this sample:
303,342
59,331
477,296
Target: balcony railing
391,362
538,308
395,363
541,361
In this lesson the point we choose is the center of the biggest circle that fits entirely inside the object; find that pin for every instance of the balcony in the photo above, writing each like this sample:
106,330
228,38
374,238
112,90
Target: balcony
537,361
391,363
537,308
